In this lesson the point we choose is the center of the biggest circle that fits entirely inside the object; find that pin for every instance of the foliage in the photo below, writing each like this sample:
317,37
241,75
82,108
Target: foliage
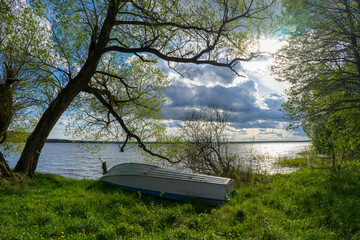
306,204
24,38
322,63
138,102
321,59
84,33
336,137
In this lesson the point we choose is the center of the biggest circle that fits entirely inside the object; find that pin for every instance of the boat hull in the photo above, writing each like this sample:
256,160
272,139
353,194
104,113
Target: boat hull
169,183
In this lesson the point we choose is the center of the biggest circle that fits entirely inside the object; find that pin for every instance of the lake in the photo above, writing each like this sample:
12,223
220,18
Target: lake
69,160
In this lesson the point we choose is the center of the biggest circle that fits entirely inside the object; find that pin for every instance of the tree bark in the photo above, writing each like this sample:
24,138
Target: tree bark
29,158
5,171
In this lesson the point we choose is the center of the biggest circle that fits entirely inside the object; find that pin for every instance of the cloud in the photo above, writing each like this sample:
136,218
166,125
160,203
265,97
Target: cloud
259,71
255,124
202,75
255,100
211,76
248,108
241,97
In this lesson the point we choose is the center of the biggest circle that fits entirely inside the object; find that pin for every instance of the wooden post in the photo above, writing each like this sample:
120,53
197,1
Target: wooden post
103,166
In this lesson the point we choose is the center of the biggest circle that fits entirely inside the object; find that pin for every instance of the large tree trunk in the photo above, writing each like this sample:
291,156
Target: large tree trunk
6,108
34,144
5,171
6,113
30,155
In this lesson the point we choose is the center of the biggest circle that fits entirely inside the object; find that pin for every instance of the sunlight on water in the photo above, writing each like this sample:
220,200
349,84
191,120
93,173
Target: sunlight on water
266,154
68,160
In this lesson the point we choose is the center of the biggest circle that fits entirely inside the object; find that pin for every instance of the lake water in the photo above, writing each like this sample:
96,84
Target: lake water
69,160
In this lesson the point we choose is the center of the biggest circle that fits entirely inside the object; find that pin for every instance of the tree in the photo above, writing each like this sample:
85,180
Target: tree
21,40
336,137
204,147
110,111
322,57
322,63
202,144
201,32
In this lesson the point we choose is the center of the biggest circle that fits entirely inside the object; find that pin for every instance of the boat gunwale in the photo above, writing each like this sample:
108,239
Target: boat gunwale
165,173
170,178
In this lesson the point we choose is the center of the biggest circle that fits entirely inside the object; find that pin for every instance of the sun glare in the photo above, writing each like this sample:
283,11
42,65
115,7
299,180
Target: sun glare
270,45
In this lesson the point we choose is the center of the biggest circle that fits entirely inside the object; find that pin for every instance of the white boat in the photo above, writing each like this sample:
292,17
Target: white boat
169,183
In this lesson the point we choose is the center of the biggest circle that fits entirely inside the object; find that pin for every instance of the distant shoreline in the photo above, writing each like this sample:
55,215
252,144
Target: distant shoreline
235,142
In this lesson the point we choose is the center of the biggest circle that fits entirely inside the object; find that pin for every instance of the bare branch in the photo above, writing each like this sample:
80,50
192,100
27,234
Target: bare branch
124,127
117,77
180,59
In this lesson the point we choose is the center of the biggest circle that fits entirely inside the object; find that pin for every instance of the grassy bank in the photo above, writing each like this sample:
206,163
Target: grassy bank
302,205
299,162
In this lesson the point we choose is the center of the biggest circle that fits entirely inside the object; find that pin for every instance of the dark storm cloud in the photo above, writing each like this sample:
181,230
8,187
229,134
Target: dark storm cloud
274,101
241,99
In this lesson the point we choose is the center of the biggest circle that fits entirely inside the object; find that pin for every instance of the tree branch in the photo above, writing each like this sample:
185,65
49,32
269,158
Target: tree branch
195,59
124,127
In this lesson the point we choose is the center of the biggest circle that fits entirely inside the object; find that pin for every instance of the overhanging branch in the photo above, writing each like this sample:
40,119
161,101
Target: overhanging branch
124,127
230,64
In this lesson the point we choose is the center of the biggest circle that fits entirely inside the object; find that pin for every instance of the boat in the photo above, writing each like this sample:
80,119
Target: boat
169,183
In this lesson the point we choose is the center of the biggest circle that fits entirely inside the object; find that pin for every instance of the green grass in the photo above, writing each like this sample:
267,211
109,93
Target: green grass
301,161
306,204
298,162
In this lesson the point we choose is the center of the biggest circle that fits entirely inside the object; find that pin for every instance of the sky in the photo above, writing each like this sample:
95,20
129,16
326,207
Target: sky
255,98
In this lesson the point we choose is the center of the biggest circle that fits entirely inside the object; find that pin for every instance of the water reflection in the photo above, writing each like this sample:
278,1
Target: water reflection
266,154
68,160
